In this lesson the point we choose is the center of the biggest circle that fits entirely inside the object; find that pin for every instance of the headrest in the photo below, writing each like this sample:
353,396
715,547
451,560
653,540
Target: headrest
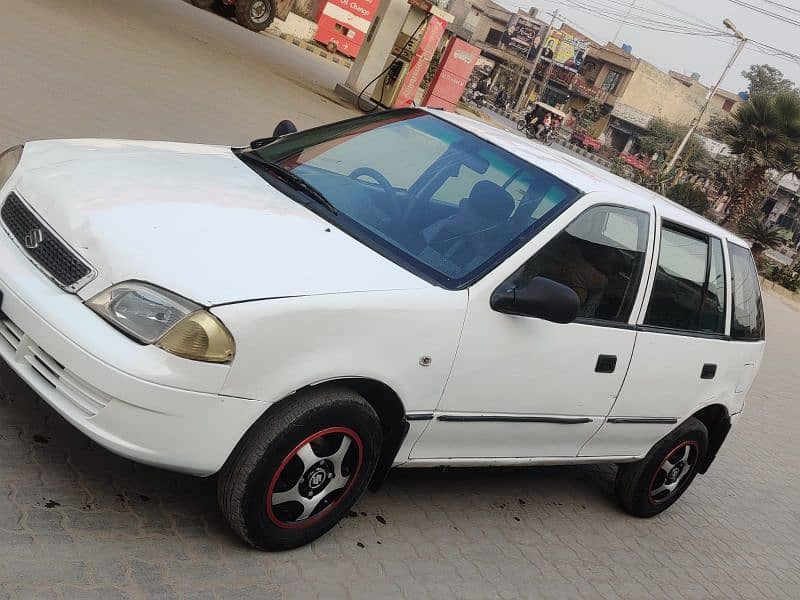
490,201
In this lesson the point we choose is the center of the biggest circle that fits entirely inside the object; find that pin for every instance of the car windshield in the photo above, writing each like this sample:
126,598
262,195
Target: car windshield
434,198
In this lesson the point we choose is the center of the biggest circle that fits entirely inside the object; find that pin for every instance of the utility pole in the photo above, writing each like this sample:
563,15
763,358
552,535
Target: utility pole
524,94
696,122
619,29
522,65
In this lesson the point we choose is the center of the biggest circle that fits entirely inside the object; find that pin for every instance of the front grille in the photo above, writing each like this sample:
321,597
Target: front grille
84,397
45,248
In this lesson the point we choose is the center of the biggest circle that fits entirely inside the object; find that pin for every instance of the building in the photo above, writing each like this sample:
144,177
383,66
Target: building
652,93
602,78
782,208
507,39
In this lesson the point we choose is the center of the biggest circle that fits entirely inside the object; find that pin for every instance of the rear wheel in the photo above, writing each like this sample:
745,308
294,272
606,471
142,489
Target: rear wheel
651,485
256,15
299,471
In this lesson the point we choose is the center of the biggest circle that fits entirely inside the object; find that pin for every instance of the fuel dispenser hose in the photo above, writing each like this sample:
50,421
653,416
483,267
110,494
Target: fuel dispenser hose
386,70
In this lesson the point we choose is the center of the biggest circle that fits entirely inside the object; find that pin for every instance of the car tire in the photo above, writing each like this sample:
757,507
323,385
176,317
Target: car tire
650,486
276,490
256,15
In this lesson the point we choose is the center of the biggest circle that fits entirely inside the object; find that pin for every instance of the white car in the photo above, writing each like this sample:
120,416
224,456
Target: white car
410,288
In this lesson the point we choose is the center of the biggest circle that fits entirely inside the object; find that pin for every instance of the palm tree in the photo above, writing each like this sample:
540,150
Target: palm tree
761,234
765,132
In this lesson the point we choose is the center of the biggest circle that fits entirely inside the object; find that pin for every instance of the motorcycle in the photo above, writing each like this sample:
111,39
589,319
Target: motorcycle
546,135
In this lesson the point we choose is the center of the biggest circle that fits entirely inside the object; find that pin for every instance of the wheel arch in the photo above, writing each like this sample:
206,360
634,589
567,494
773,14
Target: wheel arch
383,399
717,420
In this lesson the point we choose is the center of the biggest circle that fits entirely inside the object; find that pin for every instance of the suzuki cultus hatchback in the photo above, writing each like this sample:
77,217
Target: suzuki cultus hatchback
410,288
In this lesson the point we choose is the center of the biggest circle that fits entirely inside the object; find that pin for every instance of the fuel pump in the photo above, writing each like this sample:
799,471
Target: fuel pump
411,54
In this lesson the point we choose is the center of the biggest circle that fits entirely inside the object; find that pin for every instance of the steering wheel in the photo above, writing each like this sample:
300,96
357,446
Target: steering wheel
392,206
448,245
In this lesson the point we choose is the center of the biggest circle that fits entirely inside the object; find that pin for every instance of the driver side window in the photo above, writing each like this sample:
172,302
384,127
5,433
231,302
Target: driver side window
600,255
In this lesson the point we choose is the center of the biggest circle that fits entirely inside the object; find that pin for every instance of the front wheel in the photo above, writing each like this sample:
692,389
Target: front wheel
300,470
256,15
521,124
651,485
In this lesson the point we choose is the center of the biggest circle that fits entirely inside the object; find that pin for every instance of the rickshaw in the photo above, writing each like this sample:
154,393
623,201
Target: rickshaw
530,122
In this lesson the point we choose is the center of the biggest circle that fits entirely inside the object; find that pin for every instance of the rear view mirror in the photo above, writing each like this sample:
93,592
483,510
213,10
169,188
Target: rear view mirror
285,127
541,298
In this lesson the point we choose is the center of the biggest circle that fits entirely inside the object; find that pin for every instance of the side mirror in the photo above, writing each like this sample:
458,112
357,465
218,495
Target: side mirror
541,298
285,127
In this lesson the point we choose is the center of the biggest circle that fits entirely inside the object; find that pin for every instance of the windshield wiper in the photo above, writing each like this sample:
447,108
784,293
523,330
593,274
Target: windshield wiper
294,181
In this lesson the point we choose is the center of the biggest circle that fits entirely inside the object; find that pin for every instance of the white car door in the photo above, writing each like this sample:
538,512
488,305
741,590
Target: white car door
525,387
688,354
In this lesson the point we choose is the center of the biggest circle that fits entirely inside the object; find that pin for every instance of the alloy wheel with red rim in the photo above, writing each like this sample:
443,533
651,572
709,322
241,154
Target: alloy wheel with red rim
673,473
314,477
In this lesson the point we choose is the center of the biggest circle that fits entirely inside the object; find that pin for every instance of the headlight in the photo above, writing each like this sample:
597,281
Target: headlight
156,316
8,162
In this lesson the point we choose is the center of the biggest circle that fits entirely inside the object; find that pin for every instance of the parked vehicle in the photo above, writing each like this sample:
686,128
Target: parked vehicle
475,96
639,163
584,140
408,288
256,15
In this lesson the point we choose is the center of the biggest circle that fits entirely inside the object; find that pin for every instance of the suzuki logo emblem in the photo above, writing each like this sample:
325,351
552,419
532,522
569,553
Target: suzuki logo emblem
33,238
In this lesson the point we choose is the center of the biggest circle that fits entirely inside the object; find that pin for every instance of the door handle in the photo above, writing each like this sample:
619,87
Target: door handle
709,371
606,363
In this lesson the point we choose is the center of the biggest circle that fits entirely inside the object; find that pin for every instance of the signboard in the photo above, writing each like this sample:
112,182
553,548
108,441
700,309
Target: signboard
344,24
565,49
521,33
455,67
421,61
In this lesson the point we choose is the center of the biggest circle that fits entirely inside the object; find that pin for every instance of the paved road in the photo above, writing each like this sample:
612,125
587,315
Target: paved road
78,522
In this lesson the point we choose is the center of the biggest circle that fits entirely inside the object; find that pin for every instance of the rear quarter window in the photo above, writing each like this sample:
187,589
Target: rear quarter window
747,322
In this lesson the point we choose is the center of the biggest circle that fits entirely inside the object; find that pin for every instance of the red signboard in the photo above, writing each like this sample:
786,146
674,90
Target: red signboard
344,24
448,84
421,61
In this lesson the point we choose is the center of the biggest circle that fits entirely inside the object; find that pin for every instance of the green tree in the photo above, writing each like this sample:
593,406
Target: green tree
768,80
765,133
689,196
662,137
761,234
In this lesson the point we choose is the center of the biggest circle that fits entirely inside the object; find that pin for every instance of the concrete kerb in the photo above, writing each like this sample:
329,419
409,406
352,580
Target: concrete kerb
310,47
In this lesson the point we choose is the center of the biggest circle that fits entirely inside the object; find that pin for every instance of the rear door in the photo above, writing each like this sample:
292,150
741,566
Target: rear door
683,358
747,329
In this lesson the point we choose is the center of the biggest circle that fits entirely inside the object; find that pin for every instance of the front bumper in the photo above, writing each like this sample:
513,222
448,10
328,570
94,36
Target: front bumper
137,401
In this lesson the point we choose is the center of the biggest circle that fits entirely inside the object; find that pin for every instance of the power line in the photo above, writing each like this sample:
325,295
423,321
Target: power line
764,11
783,6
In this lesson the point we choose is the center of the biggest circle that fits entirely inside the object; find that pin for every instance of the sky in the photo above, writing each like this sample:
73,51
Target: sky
687,53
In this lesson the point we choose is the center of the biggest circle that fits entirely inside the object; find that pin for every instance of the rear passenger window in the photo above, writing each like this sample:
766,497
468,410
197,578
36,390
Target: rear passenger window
748,311
600,255
689,287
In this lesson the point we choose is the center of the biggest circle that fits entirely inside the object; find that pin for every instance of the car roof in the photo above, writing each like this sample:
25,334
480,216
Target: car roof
587,177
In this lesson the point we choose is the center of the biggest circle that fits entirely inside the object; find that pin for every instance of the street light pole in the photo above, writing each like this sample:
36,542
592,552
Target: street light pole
523,95
621,24
696,122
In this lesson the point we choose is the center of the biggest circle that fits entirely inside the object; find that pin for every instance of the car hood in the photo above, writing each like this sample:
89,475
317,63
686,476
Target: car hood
193,219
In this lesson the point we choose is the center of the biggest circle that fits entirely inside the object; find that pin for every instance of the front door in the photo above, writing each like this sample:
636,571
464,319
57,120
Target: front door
524,387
